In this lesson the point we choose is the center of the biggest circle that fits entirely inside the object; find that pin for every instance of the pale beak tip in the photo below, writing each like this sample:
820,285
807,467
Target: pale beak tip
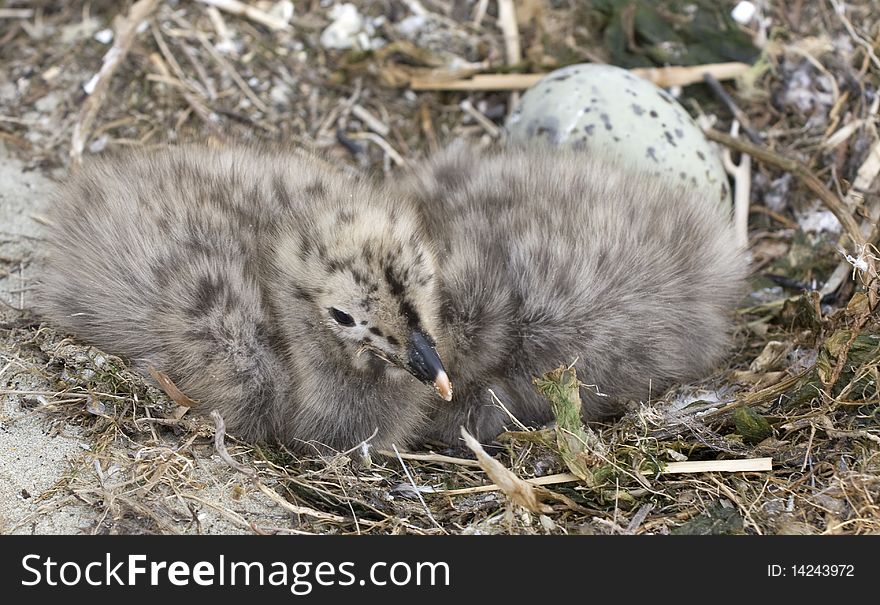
443,386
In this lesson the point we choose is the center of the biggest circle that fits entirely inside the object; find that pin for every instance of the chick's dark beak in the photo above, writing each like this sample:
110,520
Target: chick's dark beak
425,364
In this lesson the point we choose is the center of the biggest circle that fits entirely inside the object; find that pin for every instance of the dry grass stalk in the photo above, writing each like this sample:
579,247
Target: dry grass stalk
828,198
661,76
510,31
430,458
762,154
416,489
220,446
520,492
167,385
748,465
16,13
493,487
125,30
241,9
371,121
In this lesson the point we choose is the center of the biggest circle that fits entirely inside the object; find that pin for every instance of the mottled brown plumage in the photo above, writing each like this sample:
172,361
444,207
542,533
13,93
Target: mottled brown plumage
547,257
298,303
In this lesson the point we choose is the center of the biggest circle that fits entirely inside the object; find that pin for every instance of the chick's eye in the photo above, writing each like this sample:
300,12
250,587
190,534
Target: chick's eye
341,317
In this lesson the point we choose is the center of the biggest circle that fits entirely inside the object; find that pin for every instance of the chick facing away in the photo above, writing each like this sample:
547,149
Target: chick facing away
302,305
549,256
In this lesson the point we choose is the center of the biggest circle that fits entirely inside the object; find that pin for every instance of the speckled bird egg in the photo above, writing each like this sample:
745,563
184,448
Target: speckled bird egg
606,110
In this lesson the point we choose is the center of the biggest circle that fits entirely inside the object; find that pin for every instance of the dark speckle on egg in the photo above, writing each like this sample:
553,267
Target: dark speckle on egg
589,128
701,155
546,131
653,113
605,120
638,109
545,127
652,153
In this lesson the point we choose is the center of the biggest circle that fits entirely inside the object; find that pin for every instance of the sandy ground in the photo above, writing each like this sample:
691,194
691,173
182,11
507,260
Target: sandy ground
32,455
39,452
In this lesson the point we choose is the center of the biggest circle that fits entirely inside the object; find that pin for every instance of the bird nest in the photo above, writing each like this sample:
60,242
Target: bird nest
112,454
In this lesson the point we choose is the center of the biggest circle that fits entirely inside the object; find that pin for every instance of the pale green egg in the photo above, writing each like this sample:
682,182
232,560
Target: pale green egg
606,110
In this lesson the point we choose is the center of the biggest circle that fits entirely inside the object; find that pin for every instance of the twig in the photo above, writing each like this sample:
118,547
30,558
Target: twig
865,177
639,518
545,480
740,116
510,415
416,490
799,170
682,421
742,190
480,12
826,425
303,510
840,10
167,385
226,45
233,73
776,216
126,28
517,490
197,106
231,515
16,13
220,446
661,76
481,119
416,7
747,465
204,86
385,145
510,31
372,122
733,498
831,201
245,10
430,458
428,128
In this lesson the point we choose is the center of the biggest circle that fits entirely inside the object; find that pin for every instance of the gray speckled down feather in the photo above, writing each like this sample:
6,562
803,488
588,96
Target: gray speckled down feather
547,257
286,297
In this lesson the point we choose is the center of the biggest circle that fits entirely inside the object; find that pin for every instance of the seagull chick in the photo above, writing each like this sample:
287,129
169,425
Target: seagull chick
547,257
300,304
